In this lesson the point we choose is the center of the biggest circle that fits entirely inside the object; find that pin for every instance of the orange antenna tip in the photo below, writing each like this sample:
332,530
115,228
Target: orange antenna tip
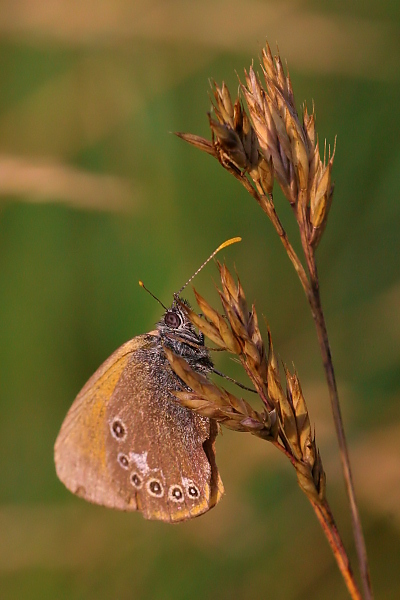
228,243
224,245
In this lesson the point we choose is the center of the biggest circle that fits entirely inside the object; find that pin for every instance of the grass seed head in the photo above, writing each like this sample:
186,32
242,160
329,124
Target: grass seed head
285,419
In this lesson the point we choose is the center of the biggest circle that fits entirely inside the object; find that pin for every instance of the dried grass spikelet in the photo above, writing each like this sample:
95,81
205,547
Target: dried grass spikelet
284,420
290,142
272,142
234,141
295,428
237,331
209,400
321,195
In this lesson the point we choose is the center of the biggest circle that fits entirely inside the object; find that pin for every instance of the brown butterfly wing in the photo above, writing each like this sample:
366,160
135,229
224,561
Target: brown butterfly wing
126,444
80,448
160,453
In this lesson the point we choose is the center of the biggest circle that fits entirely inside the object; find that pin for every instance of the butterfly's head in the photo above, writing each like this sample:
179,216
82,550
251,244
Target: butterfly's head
175,324
178,333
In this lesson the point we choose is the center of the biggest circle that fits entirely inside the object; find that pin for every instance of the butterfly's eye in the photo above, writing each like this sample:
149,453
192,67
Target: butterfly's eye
172,319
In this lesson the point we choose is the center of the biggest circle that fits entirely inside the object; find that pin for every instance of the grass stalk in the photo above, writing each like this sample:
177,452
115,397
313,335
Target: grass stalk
274,144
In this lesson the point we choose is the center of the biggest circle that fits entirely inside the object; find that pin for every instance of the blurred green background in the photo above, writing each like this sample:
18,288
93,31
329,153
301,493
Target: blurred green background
95,194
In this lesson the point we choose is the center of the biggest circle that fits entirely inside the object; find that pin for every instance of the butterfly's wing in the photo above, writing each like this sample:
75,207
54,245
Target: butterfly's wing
159,453
80,448
127,444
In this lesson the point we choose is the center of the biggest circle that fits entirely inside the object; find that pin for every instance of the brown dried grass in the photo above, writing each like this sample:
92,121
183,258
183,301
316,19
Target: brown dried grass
274,143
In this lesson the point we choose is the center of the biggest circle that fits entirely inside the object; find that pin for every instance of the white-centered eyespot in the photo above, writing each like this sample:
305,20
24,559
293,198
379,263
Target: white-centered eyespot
123,460
136,480
191,489
175,493
118,429
155,488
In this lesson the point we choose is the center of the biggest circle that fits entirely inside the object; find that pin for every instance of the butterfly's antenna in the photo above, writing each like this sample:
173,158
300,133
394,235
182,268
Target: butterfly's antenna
224,245
151,294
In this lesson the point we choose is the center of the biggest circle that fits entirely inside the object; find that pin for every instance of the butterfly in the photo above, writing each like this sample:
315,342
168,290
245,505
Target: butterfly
126,442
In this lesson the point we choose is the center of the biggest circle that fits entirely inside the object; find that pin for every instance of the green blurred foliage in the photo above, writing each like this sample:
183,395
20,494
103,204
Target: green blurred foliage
105,105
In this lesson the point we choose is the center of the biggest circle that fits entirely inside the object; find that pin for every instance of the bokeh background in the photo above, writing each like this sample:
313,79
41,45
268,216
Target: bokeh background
95,193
